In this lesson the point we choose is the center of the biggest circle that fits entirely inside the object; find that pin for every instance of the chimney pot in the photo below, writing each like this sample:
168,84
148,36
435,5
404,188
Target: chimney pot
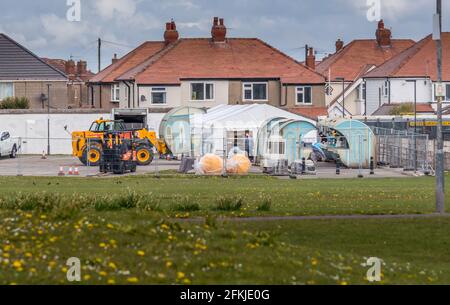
70,67
383,35
115,59
311,59
339,45
81,67
219,30
171,33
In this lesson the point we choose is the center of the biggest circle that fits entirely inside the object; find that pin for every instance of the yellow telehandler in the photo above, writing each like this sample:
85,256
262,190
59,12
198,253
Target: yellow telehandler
87,145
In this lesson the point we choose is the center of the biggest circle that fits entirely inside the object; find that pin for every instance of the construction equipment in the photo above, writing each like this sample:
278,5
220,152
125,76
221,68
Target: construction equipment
87,145
118,152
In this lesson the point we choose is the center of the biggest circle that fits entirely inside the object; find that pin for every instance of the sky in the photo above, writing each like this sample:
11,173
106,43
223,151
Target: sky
43,27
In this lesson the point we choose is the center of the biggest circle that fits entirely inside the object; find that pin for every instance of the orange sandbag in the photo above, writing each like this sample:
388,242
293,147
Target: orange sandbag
210,164
239,164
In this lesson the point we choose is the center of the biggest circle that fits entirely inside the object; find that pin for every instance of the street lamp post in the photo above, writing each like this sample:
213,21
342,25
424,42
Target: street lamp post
48,119
437,33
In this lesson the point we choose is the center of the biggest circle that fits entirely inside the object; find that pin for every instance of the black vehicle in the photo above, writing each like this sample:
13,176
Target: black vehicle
118,153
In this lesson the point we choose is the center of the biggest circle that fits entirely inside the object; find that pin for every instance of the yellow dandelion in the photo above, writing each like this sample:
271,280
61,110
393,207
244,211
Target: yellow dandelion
141,253
64,269
132,280
110,226
180,275
111,282
6,248
161,275
169,264
28,255
102,245
112,265
164,226
28,215
103,273
87,277
314,262
17,264
187,281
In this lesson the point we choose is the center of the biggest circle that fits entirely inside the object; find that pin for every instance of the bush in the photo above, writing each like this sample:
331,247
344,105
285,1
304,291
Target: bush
265,203
15,103
186,204
229,203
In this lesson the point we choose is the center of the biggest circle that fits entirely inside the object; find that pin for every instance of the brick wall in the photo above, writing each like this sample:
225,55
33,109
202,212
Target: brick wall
34,89
102,97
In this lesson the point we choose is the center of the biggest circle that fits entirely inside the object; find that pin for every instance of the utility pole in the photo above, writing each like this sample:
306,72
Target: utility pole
99,54
440,198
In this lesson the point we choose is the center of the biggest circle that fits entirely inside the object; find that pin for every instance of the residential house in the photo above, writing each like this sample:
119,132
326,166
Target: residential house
78,75
104,91
23,74
345,69
206,72
409,77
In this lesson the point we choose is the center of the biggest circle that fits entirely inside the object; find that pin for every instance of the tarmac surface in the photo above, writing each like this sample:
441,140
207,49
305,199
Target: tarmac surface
50,167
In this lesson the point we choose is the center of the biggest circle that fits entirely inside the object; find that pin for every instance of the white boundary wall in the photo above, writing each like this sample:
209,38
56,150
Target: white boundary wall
32,129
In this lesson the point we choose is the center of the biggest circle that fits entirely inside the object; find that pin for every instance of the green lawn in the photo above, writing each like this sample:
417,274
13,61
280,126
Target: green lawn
287,197
123,234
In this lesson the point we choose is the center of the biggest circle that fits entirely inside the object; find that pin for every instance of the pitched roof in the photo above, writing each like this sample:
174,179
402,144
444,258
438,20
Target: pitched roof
349,61
310,112
237,58
18,63
417,61
129,61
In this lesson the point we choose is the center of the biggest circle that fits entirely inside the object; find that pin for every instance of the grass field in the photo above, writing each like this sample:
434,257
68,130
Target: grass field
126,231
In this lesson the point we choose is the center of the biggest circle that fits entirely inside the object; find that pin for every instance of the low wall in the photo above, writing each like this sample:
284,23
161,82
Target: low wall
31,128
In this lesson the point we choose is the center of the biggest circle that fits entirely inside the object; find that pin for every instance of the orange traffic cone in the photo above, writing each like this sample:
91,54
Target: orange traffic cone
70,171
76,172
61,171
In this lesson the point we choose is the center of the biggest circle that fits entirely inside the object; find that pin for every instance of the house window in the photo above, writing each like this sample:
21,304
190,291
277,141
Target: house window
115,93
362,92
255,92
6,90
304,95
202,91
386,89
159,96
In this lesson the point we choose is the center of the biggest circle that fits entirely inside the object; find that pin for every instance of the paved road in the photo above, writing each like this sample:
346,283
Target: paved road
35,166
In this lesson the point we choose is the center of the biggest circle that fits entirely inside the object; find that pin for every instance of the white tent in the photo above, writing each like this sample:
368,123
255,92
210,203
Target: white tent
225,127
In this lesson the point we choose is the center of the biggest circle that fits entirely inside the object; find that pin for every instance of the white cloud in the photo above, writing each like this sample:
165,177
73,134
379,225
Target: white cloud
66,33
110,9
392,9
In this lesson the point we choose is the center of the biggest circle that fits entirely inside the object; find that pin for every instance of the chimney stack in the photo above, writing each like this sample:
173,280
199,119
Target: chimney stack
311,59
218,31
339,45
70,67
383,35
115,59
171,33
81,67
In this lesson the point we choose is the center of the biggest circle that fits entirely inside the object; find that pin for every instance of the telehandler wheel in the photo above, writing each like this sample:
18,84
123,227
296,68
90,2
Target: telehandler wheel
144,155
91,156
